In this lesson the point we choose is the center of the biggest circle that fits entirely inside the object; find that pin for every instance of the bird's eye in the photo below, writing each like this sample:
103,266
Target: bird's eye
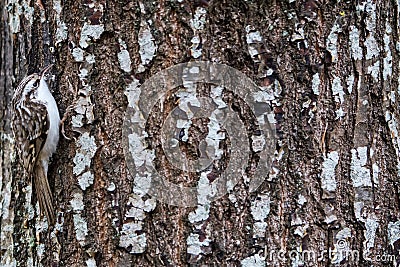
36,84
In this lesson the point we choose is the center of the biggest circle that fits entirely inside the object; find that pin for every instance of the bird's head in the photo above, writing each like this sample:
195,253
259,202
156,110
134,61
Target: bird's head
30,84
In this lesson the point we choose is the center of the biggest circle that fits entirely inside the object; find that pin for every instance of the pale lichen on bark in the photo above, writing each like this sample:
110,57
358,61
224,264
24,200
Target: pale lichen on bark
328,176
132,236
253,261
147,46
123,57
62,29
17,8
260,209
197,23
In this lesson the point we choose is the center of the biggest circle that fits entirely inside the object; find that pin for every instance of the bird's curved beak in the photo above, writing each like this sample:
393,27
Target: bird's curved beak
45,70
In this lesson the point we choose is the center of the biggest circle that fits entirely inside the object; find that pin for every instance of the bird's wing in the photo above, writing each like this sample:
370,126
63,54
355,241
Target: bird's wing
31,133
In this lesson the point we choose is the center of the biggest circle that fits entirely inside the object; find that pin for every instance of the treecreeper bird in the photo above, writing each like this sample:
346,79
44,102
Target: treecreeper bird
35,125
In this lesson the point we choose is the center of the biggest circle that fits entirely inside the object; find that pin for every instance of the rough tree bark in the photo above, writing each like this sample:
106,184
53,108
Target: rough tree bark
328,69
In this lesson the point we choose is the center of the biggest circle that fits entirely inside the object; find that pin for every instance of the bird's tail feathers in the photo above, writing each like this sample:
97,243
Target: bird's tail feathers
43,193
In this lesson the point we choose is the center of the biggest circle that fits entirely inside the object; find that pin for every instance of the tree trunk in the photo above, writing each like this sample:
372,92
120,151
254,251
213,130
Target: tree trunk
329,72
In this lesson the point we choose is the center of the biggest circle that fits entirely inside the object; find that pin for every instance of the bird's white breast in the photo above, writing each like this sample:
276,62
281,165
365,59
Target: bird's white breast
46,97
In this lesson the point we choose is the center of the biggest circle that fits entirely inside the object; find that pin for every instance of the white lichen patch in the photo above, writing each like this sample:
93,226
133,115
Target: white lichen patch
398,81
340,113
253,38
372,47
86,150
358,207
6,200
301,200
41,225
132,92
369,7
298,33
201,213
392,96
296,221
147,206
259,229
360,175
91,59
393,232
350,82
332,41
147,46
196,48
253,261
77,120
90,32
268,93
139,152
62,29
328,181
330,219
111,187
17,8
356,50
83,73
216,95
394,134
260,209
370,232
315,83
28,202
214,136
85,180
77,53
205,190
374,70
84,106
301,230
7,258
91,262
375,173
61,32
263,96
337,90
136,213
257,142
194,245
80,227
197,23
187,98
199,19
387,61
77,202
130,239
123,57
40,250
